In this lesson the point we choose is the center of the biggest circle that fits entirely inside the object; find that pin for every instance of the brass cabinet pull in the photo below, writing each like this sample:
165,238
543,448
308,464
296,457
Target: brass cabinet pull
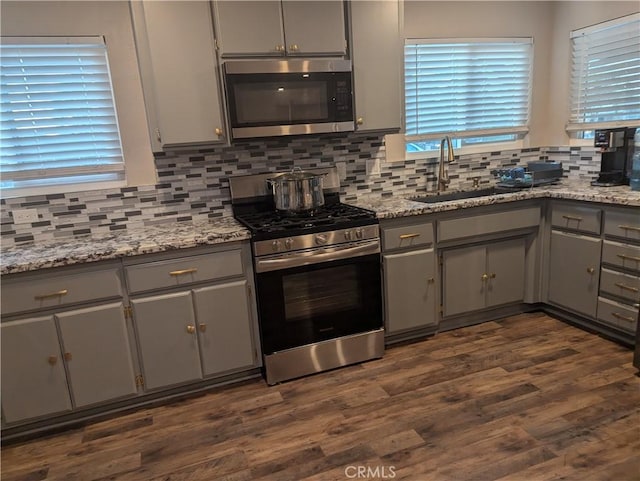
203,327
408,236
68,356
630,258
590,270
52,360
219,132
61,293
359,121
191,329
293,47
572,217
629,227
622,318
183,272
624,286
493,275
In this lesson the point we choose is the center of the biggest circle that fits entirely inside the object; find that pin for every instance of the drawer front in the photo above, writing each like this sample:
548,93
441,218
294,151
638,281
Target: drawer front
407,236
621,285
624,224
576,218
622,316
183,271
621,255
29,294
475,225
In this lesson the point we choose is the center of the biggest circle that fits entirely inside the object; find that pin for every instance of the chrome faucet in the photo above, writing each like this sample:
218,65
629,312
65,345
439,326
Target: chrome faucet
443,176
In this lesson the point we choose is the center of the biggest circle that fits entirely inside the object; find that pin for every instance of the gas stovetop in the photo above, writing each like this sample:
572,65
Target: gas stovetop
265,223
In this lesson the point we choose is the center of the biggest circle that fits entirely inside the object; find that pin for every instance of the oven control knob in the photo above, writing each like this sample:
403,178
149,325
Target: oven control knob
288,243
348,235
275,245
359,233
321,239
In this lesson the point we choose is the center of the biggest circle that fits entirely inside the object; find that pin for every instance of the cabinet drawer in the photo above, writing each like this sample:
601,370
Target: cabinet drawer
623,223
186,270
407,236
623,316
475,225
622,285
576,218
621,255
27,294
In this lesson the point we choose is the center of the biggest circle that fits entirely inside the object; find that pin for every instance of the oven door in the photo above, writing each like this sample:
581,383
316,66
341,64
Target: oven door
314,302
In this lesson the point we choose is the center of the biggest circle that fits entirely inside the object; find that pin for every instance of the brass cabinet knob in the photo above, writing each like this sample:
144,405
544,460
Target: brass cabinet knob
68,356
484,277
431,280
202,327
493,275
590,270
279,48
191,329
53,360
359,121
293,47
219,132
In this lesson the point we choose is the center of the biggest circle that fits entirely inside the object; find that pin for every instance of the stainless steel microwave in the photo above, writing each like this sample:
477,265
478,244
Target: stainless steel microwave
267,98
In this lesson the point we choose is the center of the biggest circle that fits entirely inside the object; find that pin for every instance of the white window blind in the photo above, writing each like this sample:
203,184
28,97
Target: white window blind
467,88
605,74
58,118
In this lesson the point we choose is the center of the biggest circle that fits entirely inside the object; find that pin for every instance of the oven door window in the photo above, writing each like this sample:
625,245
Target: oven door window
308,304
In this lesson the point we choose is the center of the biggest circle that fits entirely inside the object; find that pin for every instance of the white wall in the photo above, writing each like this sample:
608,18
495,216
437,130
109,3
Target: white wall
113,20
568,16
549,23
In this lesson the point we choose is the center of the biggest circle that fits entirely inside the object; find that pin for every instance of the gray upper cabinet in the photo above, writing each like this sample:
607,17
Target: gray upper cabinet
410,290
176,52
274,28
484,276
377,63
574,271
97,353
33,378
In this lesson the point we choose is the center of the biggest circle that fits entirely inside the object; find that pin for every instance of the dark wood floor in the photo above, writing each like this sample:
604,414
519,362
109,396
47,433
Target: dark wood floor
528,398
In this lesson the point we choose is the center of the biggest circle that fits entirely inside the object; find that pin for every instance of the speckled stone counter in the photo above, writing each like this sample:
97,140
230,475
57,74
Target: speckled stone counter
391,207
126,243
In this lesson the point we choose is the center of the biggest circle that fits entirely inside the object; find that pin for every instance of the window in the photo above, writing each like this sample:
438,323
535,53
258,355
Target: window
477,91
605,76
58,119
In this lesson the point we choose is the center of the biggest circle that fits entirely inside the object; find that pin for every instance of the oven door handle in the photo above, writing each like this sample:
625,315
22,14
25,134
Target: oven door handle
316,256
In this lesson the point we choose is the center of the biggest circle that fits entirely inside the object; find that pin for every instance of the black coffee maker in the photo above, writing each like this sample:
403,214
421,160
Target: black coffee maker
616,146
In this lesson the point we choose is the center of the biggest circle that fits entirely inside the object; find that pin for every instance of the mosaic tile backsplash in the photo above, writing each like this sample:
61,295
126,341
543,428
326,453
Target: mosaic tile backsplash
193,184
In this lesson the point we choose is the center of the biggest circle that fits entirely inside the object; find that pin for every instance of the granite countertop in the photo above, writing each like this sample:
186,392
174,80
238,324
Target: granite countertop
183,235
392,207
126,243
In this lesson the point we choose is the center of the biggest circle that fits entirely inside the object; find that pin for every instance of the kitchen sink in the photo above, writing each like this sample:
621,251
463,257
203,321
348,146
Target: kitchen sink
465,194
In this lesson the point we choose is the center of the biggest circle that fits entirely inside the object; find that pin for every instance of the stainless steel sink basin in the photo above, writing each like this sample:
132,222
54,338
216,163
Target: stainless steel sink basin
466,194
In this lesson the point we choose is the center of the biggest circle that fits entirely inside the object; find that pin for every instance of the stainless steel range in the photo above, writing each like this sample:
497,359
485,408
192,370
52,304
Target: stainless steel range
317,279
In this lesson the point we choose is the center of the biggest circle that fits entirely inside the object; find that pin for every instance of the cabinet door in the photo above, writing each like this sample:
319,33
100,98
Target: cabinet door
33,378
314,27
249,28
167,337
463,281
410,290
97,353
377,90
574,271
224,327
176,46
505,270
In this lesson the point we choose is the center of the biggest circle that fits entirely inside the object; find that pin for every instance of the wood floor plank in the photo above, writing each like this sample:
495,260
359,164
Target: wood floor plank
525,398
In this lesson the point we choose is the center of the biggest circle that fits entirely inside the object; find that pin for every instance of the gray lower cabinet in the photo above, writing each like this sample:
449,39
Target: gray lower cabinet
188,335
410,290
574,272
34,383
479,277
97,353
